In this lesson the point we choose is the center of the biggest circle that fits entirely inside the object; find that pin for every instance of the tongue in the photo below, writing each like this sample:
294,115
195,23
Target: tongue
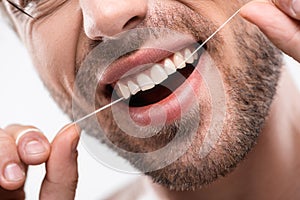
161,91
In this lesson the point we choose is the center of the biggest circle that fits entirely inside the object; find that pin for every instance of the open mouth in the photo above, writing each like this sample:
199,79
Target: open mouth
156,82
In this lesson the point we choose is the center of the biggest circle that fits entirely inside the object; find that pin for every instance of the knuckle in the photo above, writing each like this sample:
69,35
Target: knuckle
5,140
12,126
16,131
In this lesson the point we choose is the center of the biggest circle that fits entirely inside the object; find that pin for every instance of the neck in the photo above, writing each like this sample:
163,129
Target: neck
270,169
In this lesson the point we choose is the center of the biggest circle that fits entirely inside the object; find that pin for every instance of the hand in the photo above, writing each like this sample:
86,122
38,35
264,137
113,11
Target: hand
21,146
279,20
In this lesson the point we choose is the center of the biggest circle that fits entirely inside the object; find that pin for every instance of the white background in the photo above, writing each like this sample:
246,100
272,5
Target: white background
24,100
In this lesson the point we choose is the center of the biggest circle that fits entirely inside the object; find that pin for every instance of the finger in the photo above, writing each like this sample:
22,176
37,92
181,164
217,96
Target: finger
61,169
16,194
290,7
283,31
33,147
12,171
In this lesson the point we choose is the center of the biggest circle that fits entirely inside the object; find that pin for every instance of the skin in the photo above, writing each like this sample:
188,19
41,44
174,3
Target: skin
235,185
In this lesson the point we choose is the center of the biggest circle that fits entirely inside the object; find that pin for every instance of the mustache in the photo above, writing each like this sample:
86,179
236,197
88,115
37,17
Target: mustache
187,22
105,53
149,34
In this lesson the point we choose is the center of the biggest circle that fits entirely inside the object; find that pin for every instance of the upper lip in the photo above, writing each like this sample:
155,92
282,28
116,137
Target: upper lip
143,56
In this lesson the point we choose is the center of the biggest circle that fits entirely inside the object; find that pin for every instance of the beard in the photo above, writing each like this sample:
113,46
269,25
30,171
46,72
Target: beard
250,91
249,86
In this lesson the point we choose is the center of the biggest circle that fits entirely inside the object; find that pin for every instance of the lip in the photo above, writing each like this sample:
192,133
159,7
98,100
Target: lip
168,109
172,107
143,56
124,65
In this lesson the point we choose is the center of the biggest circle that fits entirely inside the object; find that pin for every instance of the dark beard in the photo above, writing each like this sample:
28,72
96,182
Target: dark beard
251,92
250,88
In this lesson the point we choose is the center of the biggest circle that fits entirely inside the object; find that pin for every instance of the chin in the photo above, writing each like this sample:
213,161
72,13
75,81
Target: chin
182,123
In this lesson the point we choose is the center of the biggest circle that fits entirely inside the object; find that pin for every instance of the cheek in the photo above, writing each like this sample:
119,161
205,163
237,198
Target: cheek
53,45
201,6
217,9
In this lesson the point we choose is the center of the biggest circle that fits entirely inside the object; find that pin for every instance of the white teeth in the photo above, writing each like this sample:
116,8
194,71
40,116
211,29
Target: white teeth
196,56
133,87
155,75
158,74
188,56
169,66
123,90
144,81
179,61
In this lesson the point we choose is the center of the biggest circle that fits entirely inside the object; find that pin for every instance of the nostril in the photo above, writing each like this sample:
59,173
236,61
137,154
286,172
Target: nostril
133,22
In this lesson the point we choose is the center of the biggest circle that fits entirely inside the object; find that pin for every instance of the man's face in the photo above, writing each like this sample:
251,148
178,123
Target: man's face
73,42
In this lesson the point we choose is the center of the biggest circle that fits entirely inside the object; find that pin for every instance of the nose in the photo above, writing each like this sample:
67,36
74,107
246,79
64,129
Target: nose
106,18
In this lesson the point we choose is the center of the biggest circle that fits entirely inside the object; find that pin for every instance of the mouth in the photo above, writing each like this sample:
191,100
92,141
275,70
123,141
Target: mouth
164,83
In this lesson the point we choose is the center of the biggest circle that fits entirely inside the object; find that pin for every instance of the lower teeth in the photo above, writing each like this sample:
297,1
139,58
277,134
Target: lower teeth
162,91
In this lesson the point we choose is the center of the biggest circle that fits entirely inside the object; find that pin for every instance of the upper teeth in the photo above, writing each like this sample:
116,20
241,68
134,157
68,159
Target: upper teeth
155,75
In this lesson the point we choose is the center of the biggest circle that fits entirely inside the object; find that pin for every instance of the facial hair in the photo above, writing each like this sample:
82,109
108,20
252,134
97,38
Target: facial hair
250,88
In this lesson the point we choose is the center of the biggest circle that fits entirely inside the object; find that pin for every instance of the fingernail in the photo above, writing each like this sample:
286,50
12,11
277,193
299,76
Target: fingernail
34,147
13,172
71,126
65,127
296,7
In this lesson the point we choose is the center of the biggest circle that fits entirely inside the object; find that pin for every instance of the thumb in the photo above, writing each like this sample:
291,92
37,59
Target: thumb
61,177
282,30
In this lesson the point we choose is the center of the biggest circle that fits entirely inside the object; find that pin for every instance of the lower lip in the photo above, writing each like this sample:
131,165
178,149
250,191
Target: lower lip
172,107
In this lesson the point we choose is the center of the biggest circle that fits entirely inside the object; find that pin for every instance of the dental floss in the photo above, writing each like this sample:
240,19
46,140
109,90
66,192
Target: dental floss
212,35
99,110
193,53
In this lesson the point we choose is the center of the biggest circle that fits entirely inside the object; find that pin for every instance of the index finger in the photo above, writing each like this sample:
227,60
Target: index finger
281,29
290,7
